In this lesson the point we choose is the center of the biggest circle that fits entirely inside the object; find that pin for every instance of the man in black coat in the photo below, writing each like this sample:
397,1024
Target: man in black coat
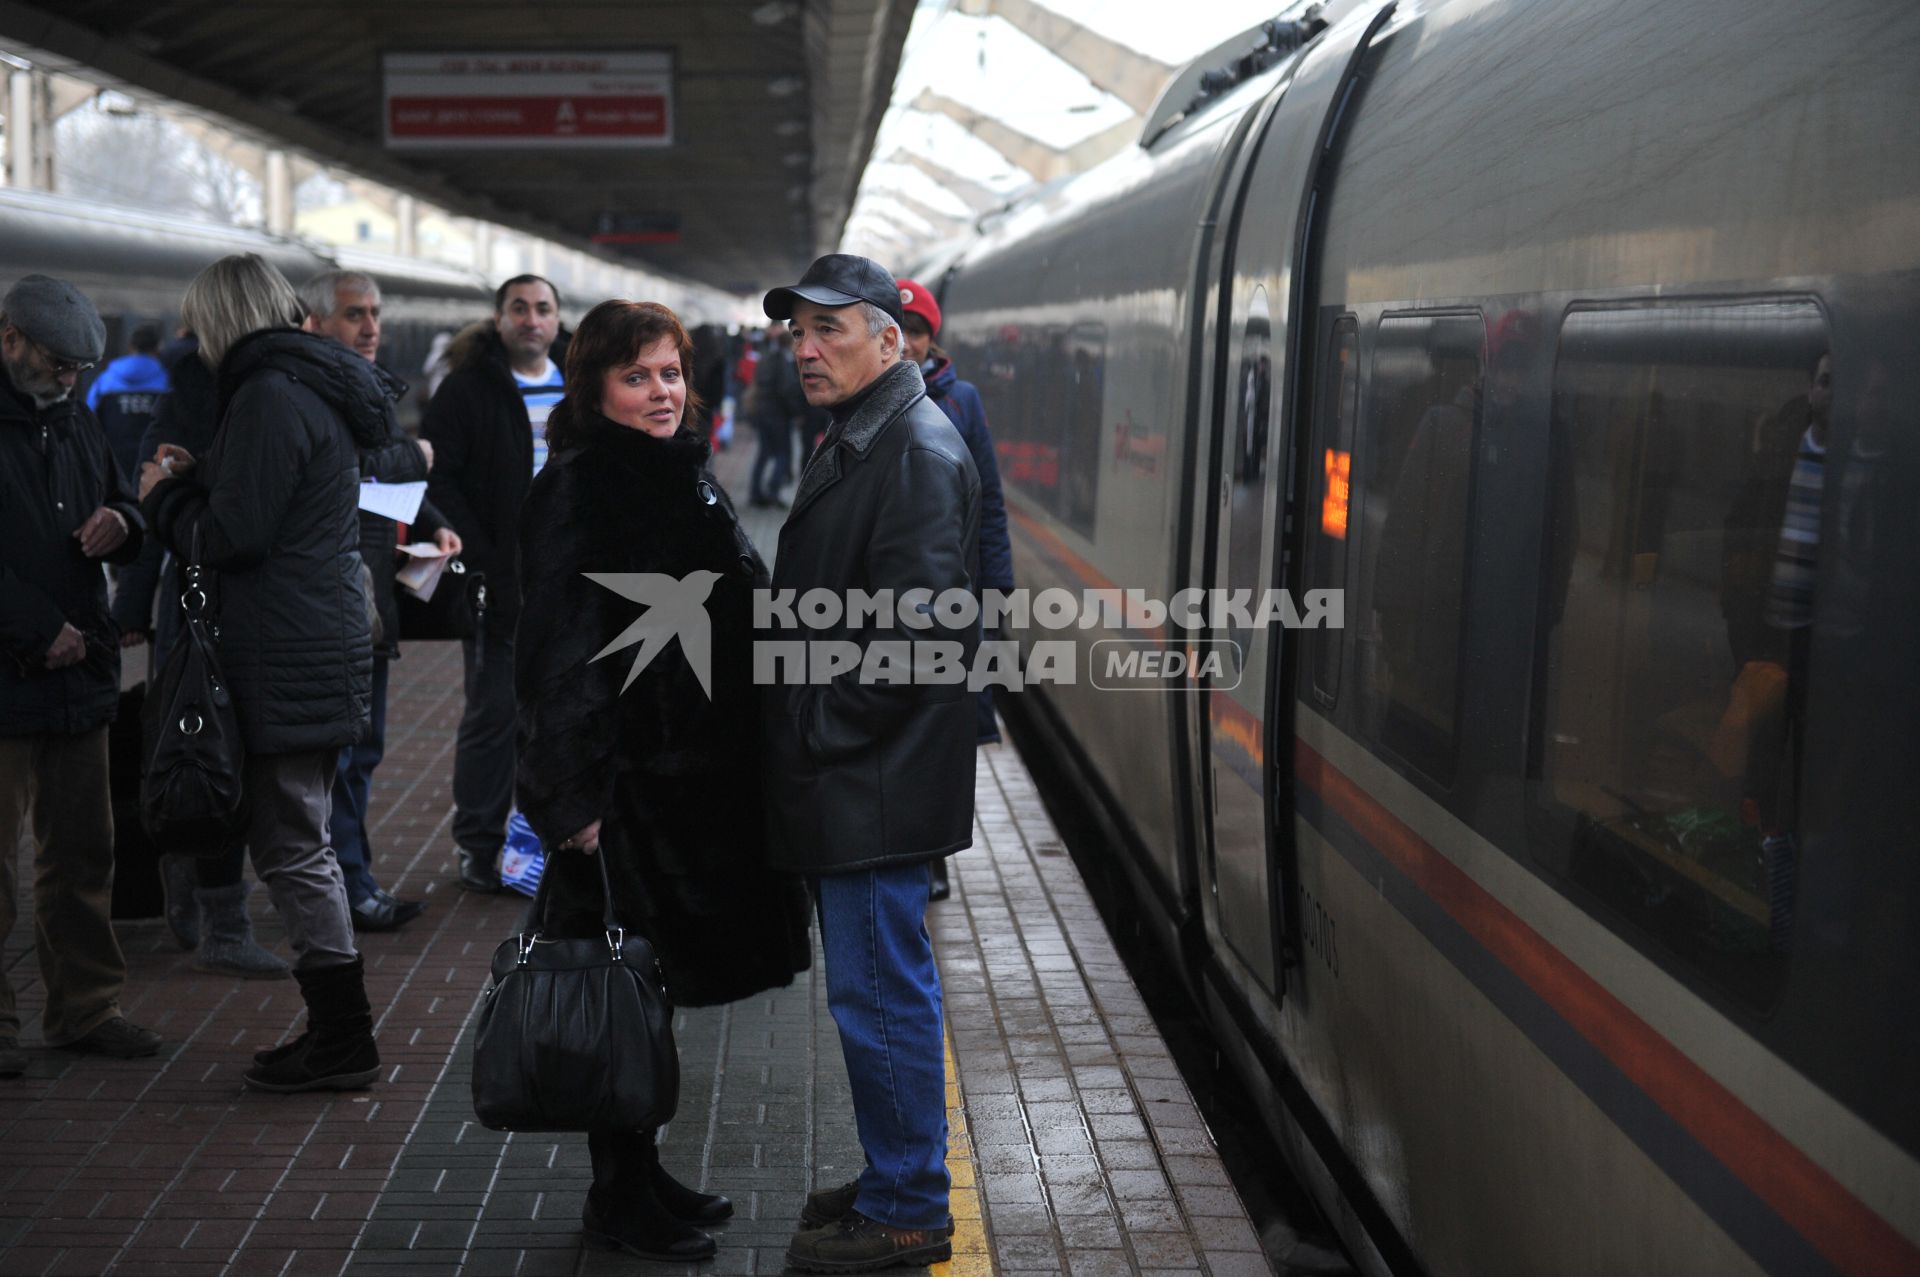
870,782
64,507
486,424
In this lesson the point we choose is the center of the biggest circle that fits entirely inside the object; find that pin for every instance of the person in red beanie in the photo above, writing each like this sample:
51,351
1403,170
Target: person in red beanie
961,402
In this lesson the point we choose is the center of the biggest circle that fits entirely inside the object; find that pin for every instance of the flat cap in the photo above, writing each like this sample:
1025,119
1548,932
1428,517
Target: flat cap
58,316
839,279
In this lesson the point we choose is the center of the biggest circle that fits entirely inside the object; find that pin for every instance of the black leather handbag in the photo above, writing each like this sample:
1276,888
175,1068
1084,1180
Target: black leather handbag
457,610
575,1035
191,794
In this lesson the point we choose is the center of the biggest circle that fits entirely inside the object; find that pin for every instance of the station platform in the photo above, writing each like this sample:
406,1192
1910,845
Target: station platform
1075,1146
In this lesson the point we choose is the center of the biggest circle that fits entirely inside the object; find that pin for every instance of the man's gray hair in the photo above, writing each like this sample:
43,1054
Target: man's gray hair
878,321
322,293
235,296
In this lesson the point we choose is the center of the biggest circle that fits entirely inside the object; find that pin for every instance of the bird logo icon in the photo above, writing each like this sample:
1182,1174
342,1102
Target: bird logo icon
676,607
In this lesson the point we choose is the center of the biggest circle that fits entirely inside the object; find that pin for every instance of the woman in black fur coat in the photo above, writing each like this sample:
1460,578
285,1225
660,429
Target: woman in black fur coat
639,731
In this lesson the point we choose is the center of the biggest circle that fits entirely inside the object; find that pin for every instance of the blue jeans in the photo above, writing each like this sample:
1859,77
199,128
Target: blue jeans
353,791
884,991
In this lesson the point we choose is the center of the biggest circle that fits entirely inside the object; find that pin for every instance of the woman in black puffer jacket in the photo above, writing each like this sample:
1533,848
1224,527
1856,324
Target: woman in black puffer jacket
273,511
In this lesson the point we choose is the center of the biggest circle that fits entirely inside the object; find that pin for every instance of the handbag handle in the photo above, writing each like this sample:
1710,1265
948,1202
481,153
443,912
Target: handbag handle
534,924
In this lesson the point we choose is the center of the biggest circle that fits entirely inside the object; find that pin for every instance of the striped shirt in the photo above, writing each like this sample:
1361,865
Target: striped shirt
541,392
1797,560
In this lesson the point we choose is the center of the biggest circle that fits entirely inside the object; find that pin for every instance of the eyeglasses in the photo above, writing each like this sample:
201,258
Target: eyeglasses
61,367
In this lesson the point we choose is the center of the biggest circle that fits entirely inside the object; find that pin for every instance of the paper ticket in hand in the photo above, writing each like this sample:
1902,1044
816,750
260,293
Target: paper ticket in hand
397,501
422,570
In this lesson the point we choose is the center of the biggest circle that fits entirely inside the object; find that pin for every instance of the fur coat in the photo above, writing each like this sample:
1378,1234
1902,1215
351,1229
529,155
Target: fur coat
672,772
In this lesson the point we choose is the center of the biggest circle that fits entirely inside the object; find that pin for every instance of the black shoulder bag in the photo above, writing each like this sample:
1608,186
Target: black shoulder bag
575,1035
457,610
191,797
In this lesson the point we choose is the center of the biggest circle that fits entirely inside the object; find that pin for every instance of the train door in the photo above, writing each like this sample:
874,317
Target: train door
1251,468
1261,488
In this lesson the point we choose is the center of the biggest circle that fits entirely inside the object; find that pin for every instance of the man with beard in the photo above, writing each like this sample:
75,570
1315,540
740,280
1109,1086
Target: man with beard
64,508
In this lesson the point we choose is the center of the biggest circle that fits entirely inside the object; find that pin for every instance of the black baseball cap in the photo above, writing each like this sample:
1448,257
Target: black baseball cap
839,279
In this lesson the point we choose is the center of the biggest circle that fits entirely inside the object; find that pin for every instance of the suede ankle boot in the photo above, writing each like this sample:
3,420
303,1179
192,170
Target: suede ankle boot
228,946
337,1052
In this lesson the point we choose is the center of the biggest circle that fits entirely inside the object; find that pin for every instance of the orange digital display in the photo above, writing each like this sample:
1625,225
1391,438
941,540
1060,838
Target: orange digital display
1333,502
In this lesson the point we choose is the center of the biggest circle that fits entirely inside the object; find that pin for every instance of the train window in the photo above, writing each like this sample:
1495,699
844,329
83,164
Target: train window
1338,399
1042,391
1415,461
1687,444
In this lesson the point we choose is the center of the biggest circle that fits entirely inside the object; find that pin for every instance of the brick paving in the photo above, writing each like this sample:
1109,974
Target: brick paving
1076,1148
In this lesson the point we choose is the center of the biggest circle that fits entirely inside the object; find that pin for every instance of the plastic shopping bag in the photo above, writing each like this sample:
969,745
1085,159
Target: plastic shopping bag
522,860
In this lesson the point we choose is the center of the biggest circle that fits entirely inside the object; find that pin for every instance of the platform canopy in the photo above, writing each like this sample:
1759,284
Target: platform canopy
717,140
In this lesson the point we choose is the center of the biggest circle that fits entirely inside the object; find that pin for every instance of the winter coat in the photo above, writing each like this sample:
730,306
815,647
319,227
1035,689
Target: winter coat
961,402
187,416
994,570
483,459
867,775
672,774
776,400
123,396
273,504
399,460
55,471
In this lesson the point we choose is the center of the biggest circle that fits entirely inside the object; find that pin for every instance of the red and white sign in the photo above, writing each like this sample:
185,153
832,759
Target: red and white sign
440,101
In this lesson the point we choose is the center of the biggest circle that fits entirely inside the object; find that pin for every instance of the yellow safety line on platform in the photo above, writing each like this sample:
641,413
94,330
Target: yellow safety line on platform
972,1256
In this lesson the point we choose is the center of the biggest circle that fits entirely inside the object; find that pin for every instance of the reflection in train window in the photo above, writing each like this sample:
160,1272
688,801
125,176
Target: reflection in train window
1246,487
1415,460
1042,390
1338,397
1672,674
1083,367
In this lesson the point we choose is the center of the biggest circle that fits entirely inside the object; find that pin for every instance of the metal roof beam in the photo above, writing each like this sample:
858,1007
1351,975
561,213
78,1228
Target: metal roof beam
1133,77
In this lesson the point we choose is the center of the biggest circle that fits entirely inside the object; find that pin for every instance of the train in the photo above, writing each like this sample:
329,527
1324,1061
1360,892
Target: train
135,266
1560,903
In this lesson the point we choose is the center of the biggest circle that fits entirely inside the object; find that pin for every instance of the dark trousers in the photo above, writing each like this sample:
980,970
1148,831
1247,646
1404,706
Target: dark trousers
59,784
773,462
353,795
287,834
483,751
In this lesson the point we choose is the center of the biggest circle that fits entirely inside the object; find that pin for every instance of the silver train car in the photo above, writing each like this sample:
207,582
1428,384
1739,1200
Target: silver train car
135,266
1563,904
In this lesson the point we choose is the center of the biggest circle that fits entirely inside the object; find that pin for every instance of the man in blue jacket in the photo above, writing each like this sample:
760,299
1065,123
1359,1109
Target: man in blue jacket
64,507
125,394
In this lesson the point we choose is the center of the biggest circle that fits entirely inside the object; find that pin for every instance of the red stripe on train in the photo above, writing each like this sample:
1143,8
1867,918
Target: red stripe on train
1819,1207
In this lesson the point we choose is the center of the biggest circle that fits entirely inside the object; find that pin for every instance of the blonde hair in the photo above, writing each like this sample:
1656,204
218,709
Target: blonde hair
235,296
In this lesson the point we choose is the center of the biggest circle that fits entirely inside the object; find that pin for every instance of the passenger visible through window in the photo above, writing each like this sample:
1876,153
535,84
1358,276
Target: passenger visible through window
1672,681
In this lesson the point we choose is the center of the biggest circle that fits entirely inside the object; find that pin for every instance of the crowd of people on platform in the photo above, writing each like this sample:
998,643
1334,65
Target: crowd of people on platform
734,819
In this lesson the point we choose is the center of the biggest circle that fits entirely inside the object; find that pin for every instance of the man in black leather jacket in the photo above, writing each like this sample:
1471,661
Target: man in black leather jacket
869,783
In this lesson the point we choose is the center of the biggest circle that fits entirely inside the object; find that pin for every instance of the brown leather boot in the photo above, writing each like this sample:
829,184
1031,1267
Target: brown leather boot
858,1244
